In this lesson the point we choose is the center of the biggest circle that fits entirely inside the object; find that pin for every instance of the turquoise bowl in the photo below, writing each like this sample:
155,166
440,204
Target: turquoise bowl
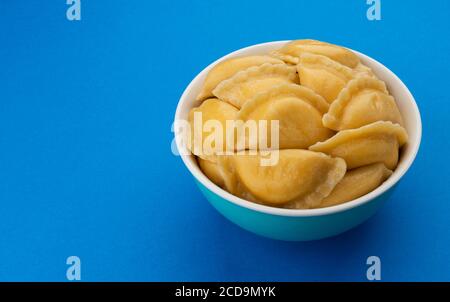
290,227
313,224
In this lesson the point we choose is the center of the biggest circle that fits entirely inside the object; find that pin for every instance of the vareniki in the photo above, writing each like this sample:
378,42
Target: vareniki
299,111
248,83
301,178
228,68
292,52
339,131
361,102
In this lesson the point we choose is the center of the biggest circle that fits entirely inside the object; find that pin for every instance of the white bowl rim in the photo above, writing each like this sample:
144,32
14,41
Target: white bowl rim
389,183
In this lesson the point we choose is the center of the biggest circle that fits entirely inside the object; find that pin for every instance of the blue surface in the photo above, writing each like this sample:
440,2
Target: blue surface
85,162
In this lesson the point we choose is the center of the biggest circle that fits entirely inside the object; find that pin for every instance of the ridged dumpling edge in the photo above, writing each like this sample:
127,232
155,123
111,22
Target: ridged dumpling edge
285,90
376,127
212,79
312,60
334,176
291,51
332,118
282,70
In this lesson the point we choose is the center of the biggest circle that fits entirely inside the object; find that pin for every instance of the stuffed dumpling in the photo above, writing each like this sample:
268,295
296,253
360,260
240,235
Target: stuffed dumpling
297,109
203,140
292,51
299,179
323,75
363,101
247,83
376,142
212,170
226,69
356,183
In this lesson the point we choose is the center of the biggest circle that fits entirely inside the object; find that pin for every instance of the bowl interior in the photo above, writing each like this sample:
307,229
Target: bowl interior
403,97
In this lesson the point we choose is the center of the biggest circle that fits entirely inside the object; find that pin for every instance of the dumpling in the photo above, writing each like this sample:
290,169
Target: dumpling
363,101
323,75
292,51
363,70
212,171
299,111
376,142
356,183
230,179
226,69
300,178
220,171
248,83
203,143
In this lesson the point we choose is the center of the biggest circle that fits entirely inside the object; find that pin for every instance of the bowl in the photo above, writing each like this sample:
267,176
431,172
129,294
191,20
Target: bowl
310,224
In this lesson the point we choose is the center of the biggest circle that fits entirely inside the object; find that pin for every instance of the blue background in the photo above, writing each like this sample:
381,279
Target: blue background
86,167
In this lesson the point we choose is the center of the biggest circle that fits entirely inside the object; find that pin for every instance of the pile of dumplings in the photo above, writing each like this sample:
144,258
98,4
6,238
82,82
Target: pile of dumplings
340,129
